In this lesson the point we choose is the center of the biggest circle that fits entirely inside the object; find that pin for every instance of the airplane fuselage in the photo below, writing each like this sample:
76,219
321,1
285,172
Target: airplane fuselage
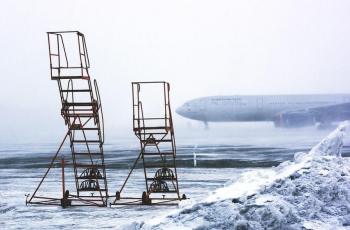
254,108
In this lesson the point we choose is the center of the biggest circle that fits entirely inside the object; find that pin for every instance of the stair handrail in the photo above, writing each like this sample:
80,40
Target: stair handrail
64,50
142,118
87,60
171,121
99,108
169,107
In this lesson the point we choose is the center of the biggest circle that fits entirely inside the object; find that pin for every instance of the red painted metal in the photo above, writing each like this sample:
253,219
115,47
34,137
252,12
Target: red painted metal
83,116
157,150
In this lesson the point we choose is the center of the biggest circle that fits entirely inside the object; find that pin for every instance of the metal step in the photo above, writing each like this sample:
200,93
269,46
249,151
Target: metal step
149,133
64,67
70,77
80,115
82,128
157,141
84,141
75,90
151,128
80,104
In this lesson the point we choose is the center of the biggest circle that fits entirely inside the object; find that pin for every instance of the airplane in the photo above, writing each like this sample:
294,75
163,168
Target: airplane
283,110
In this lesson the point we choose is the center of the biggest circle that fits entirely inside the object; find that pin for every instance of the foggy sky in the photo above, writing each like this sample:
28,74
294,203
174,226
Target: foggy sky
202,48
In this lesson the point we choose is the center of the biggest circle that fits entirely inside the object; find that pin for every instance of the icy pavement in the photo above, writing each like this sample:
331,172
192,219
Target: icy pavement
312,192
309,192
15,183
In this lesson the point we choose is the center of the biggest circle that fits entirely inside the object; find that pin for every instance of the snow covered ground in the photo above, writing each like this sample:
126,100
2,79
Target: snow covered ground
311,192
15,183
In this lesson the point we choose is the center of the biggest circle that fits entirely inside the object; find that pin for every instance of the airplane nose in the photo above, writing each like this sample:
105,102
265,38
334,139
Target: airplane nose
180,110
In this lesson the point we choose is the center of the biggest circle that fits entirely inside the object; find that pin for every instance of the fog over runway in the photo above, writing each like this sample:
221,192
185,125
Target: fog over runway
202,48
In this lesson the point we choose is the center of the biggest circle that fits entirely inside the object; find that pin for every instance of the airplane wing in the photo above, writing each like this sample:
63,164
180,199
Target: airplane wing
310,116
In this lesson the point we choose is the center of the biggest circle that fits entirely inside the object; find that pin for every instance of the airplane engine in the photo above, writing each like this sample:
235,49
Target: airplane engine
295,119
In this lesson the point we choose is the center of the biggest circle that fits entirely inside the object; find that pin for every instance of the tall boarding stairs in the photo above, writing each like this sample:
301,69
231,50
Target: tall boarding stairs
82,113
157,148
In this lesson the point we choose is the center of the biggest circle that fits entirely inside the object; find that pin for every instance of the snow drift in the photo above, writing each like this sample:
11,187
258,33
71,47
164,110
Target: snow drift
312,192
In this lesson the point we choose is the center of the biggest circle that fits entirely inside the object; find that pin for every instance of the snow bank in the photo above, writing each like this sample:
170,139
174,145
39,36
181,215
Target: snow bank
312,192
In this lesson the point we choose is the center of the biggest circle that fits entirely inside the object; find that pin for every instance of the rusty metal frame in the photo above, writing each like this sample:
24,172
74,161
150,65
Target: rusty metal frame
156,136
84,118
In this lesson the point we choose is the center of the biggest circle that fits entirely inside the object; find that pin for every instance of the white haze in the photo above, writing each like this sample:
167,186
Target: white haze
201,47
